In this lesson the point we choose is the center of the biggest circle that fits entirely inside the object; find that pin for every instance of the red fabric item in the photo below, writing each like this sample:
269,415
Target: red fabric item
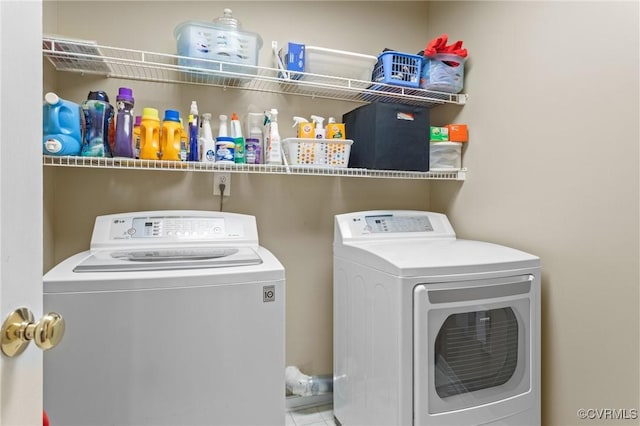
45,418
439,45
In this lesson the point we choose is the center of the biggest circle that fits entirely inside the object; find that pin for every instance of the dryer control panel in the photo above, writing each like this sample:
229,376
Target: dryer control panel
376,225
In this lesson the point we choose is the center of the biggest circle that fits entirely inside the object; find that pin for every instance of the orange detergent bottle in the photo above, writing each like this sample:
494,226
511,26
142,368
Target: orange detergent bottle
150,135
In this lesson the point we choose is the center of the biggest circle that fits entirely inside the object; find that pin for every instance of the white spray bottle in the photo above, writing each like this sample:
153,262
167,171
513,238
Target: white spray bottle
274,149
208,150
319,125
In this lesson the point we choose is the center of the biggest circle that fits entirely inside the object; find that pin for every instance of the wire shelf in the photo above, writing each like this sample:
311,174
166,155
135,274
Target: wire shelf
189,166
90,58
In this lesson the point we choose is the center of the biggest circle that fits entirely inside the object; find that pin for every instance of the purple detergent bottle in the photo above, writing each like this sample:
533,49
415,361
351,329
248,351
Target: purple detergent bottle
97,126
124,145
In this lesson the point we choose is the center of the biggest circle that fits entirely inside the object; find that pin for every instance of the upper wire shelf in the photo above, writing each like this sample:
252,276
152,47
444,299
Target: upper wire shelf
90,58
189,166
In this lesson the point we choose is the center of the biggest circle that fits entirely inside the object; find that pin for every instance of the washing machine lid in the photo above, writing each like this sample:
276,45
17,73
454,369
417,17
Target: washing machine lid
416,258
168,258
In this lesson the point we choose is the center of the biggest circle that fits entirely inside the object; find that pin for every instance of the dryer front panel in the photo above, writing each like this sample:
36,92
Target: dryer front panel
473,350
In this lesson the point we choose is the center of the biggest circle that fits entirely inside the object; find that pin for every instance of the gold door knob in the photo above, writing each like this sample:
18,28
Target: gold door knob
19,329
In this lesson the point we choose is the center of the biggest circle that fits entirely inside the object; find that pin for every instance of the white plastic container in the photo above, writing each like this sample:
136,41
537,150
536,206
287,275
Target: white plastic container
219,41
445,156
317,152
339,63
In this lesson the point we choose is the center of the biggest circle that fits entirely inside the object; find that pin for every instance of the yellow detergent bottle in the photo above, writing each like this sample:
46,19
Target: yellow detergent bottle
150,135
171,134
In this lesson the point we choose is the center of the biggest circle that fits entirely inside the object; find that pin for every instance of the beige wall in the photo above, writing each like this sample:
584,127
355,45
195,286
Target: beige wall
294,213
553,163
553,169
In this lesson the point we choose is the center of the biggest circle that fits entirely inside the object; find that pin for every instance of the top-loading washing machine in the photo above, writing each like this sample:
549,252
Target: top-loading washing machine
430,329
172,318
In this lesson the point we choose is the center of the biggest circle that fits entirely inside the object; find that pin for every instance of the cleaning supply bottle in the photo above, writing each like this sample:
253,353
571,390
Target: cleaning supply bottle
223,131
206,141
150,134
170,135
136,135
124,143
335,130
194,122
255,123
319,132
238,139
274,151
304,128
61,132
97,125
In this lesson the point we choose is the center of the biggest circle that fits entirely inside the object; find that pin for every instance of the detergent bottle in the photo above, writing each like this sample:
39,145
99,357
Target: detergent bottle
170,136
97,129
124,145
150,135
136,135
238,139
61,132
194,123
255,137
207,142
184,142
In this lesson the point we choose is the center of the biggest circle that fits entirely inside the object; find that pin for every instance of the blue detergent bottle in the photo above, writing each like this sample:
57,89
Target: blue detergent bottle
97,129
61,134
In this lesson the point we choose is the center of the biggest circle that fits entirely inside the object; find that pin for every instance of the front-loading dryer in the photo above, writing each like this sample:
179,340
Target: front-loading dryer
172,318
430,329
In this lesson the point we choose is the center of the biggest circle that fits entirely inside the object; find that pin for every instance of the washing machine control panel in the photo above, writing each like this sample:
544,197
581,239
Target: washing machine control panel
193,228
391,223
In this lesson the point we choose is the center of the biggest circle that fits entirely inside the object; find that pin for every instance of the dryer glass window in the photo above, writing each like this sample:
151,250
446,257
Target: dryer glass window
476,350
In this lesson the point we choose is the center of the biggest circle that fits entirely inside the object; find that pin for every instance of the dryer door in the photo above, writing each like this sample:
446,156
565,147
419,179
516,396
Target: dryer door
473,350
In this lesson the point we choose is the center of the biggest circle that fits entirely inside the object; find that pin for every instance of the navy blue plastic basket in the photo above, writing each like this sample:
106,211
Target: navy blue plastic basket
397,68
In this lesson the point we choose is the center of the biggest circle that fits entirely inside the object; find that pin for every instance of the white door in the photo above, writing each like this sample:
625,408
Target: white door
21,200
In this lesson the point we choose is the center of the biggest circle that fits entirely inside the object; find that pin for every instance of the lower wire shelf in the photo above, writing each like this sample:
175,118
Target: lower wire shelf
190,166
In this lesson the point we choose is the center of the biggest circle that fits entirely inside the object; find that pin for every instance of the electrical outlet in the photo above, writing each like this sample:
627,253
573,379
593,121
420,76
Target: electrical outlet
222,178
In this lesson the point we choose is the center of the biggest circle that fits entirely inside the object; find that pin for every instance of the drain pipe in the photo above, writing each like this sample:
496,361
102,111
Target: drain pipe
303,385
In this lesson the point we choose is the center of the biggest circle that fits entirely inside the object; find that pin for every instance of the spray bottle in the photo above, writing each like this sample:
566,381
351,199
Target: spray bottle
305,129
193,132
238,139
274,151
318,121
207,142
335,130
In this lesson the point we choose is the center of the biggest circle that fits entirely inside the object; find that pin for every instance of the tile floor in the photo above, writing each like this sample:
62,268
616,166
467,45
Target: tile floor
313,416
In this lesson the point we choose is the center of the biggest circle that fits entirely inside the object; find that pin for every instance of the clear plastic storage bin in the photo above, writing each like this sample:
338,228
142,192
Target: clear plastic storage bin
339,63
222,41
445,156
